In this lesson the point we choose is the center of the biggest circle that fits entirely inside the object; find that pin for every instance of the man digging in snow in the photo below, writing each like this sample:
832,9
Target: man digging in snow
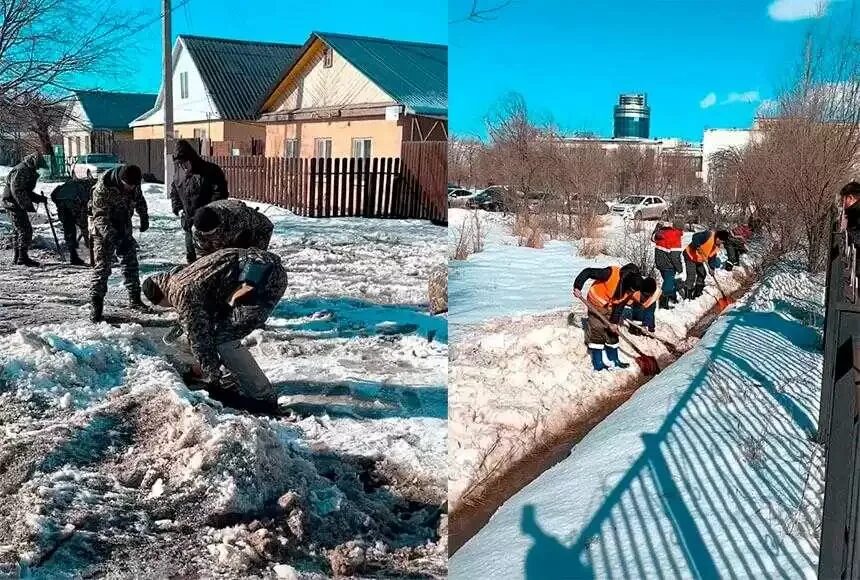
220,299
116,196
198,183
612,289
699,255
18,200
229,223
71,200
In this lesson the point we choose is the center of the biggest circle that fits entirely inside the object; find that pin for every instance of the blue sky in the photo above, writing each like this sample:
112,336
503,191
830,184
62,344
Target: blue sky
288,21
703,63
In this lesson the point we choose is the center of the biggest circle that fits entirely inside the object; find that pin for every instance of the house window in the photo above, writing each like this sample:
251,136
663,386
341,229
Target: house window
327,57
183,85
361,148
291,148
78,146
322,147
200,134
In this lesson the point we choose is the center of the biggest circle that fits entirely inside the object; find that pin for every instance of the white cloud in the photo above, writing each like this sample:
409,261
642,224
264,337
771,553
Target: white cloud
788,10
709,101
746,97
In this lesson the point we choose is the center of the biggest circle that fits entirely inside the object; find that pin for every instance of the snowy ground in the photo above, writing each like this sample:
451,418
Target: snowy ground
708,471
517,379
108,464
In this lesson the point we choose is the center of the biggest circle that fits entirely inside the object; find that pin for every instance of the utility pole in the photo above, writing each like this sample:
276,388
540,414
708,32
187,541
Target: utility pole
167,92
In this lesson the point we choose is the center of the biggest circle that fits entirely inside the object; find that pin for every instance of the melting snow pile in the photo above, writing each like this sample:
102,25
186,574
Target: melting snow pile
708,471
110,465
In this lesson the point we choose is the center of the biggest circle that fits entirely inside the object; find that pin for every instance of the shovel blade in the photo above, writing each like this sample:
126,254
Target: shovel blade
648,365
724,303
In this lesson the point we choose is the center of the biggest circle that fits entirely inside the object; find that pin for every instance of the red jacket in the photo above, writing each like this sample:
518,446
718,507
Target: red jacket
668,239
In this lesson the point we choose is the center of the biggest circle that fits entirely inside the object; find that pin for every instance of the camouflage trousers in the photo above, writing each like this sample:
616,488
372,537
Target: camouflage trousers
71,220
103,251
22,231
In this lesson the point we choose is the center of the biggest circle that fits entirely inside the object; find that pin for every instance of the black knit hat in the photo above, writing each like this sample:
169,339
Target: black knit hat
722,235
129,174
850,188
152,289
206,219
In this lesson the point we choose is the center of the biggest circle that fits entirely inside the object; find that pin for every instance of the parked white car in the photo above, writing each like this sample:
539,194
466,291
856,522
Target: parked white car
640,207
459,197
93,164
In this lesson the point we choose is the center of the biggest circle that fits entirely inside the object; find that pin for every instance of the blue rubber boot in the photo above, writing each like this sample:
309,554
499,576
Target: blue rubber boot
612,355
597,359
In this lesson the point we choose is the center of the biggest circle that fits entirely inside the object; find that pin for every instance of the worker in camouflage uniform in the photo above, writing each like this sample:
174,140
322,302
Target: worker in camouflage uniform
116,196
220,299
229,223
71,200
18,200
196,183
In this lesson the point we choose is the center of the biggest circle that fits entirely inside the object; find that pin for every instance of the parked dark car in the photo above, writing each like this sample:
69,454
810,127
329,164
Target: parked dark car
490,199
692,209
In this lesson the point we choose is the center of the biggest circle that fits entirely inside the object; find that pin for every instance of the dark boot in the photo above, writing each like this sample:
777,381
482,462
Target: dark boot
664,302
698,290
612,355
673,297
25,260
597,359
15,254
135,303
75,260
96,309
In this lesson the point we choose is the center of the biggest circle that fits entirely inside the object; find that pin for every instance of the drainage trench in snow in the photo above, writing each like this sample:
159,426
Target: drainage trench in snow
474,512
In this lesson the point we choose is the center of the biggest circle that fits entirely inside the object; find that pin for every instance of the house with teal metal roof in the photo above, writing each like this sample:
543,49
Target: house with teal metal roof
94,119
357,96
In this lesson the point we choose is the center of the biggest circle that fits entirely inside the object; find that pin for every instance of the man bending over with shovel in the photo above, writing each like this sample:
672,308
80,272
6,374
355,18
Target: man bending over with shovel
700,254
610,291
220,299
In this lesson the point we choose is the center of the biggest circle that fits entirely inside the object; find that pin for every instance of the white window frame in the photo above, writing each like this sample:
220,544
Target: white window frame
326,143
183,85
200,134
365,146
328,57
291,148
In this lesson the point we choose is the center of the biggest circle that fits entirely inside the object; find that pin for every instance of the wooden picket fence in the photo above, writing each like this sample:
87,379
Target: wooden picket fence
340,187
412,186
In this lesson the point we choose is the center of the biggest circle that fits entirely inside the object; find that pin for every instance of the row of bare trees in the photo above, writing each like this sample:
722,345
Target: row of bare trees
802,153
565,181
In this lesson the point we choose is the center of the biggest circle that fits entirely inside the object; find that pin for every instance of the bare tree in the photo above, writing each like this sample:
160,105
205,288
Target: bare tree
482,12
809,148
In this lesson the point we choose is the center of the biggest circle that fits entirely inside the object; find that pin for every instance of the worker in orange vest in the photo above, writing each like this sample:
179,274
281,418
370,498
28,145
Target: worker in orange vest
643,306
700,254
611,289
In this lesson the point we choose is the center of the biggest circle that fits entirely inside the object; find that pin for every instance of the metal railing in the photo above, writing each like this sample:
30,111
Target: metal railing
838,430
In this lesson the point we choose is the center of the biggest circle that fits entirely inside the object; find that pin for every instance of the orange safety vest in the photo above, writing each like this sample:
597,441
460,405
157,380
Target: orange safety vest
602,292
705,252
637,296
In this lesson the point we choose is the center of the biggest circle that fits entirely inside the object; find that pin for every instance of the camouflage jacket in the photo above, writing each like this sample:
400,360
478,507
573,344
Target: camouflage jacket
111,208
199,293
20,182
241,227
74,195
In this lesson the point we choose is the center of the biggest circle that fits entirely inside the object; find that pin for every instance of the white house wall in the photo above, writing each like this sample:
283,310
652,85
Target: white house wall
197,107
77,119
340,85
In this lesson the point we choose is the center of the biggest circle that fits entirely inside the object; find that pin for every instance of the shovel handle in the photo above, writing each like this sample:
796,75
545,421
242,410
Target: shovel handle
604,320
